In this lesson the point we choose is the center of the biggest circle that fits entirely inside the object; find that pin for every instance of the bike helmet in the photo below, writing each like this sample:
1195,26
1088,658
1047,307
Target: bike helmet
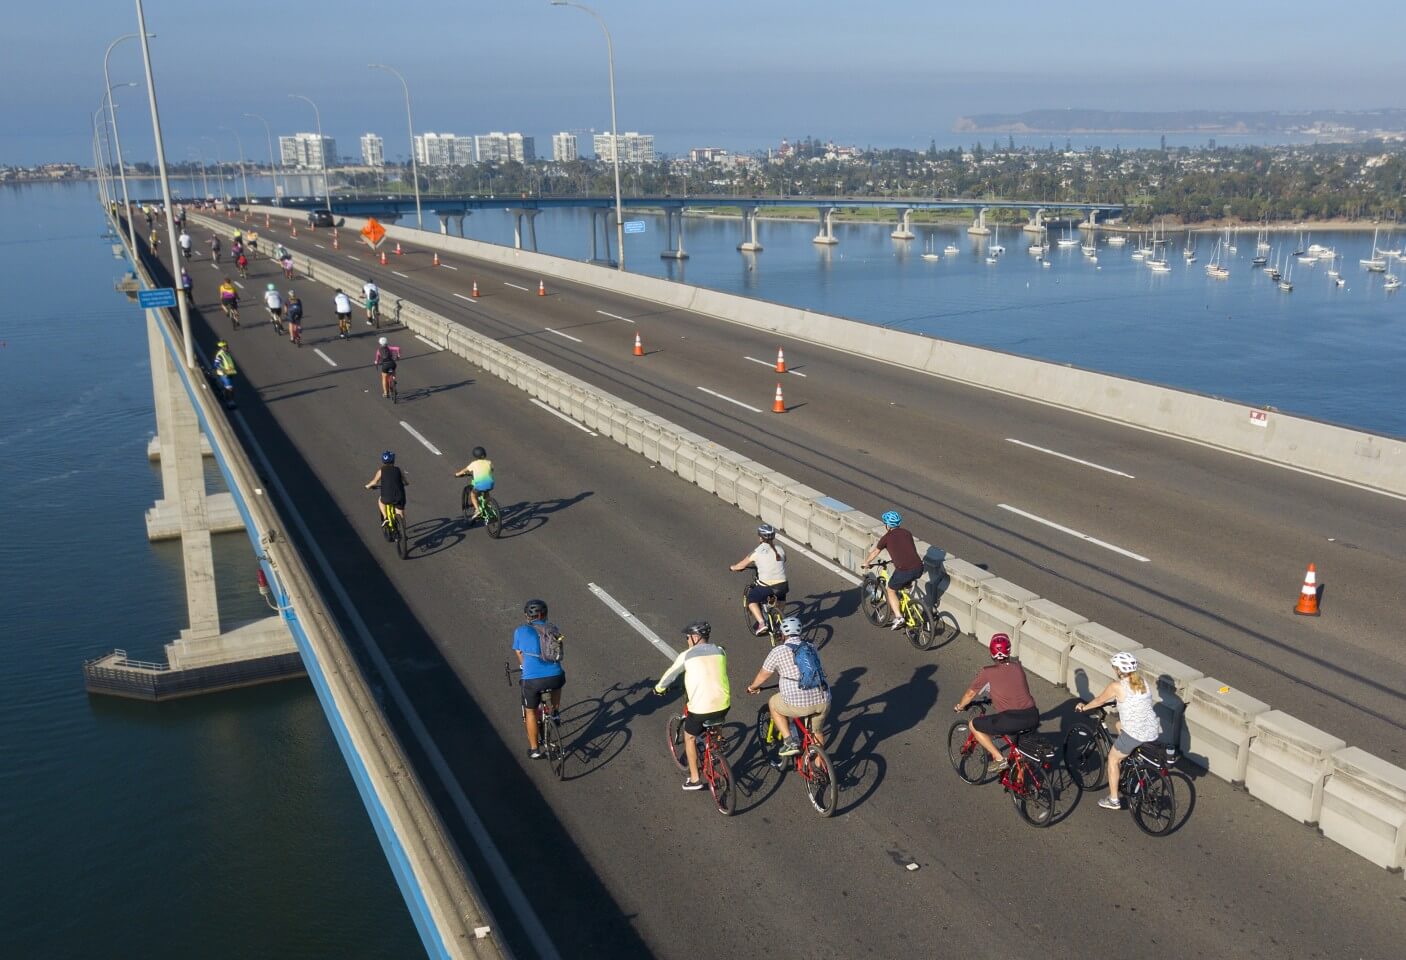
292,295
1124,662
272,287
791,627
766,531
891,518
388,457
535,609
1000,646
220,345
479,453
701,627
382,341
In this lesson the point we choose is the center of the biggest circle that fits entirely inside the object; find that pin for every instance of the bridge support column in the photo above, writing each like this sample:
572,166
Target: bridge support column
979,227
826,236
1037,221
672,252
904,230
444,223
606,218
1092,222
749,230
531,214
459,222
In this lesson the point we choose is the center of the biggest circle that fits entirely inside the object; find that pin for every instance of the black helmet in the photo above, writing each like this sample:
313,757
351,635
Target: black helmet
701,627
479,453
535,609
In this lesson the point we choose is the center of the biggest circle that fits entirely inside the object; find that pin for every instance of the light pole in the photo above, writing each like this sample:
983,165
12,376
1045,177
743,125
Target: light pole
242,175
321,148
116,139
99,163
204,180
614,133
273,170
410,125
219,167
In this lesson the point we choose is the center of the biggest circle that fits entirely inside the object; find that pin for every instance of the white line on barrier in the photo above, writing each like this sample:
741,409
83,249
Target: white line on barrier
399,274
1074,533
464,298
614,316
447,266
1065,456
834,568
745,406
324,356
557,413
515,286
767,363
416,434
428,342
560,334
630,618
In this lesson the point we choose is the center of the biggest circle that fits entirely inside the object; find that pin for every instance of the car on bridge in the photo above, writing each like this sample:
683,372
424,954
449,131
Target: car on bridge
323,218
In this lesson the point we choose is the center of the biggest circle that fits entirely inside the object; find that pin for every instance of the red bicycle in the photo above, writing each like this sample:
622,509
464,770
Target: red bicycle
712,765
812,763
1030,766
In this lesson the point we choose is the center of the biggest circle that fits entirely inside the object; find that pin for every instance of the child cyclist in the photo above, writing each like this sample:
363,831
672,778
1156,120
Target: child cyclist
480,474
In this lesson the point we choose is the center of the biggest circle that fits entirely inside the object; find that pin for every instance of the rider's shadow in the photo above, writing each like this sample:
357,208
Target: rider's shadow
868,723
596,730
425,538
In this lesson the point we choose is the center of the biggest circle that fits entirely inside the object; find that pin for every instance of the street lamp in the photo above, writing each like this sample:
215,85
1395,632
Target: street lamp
116,139
219,167
204,180
614,133
111,106
410,125
273,170
242,175
100,164
321,148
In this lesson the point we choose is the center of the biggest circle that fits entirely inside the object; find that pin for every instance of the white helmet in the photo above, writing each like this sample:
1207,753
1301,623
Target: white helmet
1124,662
382,341
791,627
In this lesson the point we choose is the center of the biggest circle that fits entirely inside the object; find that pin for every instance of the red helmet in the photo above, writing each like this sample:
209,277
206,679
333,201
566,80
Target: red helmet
1000,646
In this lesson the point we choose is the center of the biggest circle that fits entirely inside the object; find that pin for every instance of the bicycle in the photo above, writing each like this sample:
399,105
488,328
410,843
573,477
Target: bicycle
231,309
712,765
925,628
772,610
812,763
373,313
487,511
394,529
1030,766
277,317
548,726
343,325
1144,778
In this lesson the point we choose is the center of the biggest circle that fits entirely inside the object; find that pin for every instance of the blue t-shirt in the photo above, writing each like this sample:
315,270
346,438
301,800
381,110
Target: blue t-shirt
533,667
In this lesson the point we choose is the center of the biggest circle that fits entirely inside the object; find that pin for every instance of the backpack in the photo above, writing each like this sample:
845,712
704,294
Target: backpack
550,642
812,675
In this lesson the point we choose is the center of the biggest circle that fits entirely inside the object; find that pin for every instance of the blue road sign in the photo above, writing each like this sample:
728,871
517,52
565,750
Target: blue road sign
160,297
634,226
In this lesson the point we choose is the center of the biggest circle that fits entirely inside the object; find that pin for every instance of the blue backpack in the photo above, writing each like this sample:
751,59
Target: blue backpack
812,675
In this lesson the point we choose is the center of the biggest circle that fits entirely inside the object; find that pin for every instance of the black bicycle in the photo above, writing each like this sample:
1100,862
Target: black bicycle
393,527
1144,778
548,726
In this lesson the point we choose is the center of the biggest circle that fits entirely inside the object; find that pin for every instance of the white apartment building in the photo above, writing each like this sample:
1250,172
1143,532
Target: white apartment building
500,147
305,151
443,150
564,147
373,150
634,147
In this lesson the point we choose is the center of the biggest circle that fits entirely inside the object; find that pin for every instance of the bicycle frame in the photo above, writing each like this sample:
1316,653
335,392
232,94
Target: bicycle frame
771,609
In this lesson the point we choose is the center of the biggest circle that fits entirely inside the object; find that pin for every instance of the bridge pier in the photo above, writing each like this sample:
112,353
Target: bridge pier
979,227
904,230
1037,221
531,215
606,218
672,252
826,235
749,229
1092,222
458,219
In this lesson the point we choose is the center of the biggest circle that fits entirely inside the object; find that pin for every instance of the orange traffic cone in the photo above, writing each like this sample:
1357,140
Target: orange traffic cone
639,346
313,226
541,288
397,248
778,405
295,231
335,245
474,291
290,221
266,221
780,360
1308,596
436,258
383,258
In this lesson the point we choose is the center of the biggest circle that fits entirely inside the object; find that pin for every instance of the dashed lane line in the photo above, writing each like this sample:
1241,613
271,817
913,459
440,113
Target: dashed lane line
614,316
722,396
418,436
401,275
557,413
765,363
447,266
516,287
630,618
324,356
1074,533
560,334
1065,456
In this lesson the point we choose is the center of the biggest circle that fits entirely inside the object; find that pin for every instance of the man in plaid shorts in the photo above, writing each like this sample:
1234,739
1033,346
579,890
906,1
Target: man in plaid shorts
793,700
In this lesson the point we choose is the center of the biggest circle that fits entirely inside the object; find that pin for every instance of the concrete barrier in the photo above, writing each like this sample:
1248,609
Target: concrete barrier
1364,807
963,591
1217,727
1289,760
1045,639
1171,681
1089,670
1000,609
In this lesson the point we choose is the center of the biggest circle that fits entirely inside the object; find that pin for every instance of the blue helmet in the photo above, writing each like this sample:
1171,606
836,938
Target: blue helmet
388,457
891,518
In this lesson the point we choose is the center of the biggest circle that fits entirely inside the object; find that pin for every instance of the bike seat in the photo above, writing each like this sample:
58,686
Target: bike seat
709,724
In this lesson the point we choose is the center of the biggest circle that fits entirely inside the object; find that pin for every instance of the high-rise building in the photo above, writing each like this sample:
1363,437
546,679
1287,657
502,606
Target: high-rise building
305,151
443,150
501,147
564,147
634,147
373,150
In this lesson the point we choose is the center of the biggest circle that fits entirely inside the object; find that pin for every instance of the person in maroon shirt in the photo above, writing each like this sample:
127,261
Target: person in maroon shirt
1015,709
907,565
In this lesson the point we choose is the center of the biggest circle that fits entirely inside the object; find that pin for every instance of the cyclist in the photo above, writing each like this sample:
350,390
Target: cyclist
154,241
187,286
242,262
1137,722
907,565
371,295
295,318
343,306
279,251
392,481
479,472
236,248
706,691
286,262
223,364
184,241
215,249
770,561
538,676
253,240
793,700
1015,709
229,301
273,302
386,357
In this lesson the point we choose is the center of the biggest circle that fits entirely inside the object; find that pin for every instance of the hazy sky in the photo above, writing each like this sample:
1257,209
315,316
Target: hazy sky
716,72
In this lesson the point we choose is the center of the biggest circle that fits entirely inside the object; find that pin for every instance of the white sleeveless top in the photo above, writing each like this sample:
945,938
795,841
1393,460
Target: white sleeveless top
1136,717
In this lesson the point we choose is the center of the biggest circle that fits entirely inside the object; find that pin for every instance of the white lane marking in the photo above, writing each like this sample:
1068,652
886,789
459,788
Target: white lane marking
464,298
834,568
558,413
560,334
399,274
493,857
239,285
714,393
214,266
1065,456
324,356
428,342
319,246
416,434
614,316
630,618
1074,533
447,266
767,363
352,256
515,286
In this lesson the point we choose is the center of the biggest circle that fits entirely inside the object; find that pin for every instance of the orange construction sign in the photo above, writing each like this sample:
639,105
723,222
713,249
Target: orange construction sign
373,233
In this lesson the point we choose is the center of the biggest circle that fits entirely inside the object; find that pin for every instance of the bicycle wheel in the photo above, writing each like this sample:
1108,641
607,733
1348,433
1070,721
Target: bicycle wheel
944,628
821,785
556,753
468,506
492,516
1086,755
402,545
676,735
1034,801
395,389
1155,805
719,777
919,630
873,601
767,738
967,756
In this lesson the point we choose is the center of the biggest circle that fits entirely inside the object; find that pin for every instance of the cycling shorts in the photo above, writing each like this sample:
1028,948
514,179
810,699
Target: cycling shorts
1008,721
532,690
483,486
760,592
224,381
388,366
902,578
343,313
693,723
397,502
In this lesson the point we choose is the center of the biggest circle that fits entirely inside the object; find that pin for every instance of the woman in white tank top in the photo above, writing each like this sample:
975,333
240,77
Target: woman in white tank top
1137,721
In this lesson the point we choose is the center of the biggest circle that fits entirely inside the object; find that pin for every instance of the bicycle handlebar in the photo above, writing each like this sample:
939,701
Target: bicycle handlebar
508,672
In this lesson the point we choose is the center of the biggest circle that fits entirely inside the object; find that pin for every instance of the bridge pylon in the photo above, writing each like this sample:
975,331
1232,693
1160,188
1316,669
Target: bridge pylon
979,227
904,230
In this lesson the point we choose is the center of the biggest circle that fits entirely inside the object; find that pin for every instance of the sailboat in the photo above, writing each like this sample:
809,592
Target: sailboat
1041,246
1261,249
1273,269
951,250
1088,248
930,253
996,247
1311,254
1229,244
1116,240
1068,239
1376,263
1287,284
1159,264
1215,268
1189,251
1392,283
1333,267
